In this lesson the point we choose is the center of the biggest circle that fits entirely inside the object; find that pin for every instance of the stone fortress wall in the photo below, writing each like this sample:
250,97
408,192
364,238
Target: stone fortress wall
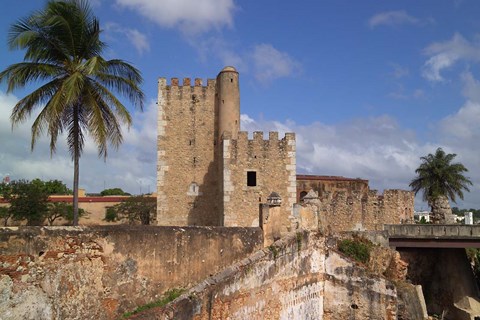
210,173
343,204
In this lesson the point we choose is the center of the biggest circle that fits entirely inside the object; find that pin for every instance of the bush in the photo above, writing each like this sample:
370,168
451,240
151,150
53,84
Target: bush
358,249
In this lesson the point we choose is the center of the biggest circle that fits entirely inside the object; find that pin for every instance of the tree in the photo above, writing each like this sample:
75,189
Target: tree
27,202
63,51
437,177
52,186
5,214
62,210
114,192
133,209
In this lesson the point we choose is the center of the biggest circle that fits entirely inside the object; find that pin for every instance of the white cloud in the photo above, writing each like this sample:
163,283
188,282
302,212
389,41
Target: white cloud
399,71
135,37
471,87
263,61
271,64
191,16
444,55
132,167
392,18
376,149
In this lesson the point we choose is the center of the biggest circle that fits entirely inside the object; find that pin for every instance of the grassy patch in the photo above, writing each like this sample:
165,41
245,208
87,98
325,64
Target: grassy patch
357,248
169,296
299,237
274,251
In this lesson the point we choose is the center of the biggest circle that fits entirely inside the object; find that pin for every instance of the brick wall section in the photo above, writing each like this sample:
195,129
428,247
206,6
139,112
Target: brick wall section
187,182
102,272
273,162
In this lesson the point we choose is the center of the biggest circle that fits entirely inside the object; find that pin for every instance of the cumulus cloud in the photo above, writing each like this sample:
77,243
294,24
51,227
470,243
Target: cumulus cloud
445,54
132,167
271,64
373,148
135,37
190,16
265,62
376,149
392,18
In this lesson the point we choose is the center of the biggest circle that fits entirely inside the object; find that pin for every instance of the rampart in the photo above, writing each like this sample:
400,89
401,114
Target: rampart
355,210
297,277
250,176
102,272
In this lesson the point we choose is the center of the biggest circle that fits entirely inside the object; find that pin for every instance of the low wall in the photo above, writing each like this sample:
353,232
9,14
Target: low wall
101,272
432,231
297,277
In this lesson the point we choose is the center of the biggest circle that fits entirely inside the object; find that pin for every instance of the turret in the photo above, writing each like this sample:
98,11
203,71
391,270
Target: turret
228,102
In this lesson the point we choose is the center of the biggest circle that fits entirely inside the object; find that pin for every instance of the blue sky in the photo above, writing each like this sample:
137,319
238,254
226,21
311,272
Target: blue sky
368,86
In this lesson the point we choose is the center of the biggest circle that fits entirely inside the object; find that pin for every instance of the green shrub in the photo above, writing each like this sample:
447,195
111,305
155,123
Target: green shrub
358,249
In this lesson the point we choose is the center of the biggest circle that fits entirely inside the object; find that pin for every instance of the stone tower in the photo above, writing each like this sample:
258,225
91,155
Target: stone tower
228,102
209,172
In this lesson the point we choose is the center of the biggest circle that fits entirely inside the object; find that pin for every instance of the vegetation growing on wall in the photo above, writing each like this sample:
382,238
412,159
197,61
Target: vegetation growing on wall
356,248
168,297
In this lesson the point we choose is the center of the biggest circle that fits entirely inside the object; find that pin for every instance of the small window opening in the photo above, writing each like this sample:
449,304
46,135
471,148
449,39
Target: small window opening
251,178
231,80
223,101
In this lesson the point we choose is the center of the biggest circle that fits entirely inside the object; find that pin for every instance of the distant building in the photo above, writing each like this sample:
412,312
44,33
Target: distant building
418,215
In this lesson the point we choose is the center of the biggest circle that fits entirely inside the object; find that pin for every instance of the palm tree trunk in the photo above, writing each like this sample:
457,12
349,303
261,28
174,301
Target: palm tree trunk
76,159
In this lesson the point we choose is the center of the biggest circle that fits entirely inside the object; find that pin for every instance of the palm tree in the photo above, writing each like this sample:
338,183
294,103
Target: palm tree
438,177
63,52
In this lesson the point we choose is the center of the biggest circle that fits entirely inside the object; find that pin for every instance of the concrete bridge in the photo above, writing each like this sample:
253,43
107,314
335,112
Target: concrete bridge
433,235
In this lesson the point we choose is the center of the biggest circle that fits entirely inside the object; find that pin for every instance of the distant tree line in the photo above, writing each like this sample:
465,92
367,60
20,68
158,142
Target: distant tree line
28,201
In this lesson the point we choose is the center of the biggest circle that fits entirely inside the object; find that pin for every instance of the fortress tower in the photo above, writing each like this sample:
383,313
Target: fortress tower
209,172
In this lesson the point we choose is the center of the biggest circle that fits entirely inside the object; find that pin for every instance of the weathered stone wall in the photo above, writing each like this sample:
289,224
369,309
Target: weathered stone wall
354,210
324,185
102,272
296,278
273,163
187,180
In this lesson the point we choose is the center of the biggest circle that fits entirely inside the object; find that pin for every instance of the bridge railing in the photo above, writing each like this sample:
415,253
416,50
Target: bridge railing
431,230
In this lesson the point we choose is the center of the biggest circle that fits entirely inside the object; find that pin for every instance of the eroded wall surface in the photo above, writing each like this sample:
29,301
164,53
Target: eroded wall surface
102,272
296,278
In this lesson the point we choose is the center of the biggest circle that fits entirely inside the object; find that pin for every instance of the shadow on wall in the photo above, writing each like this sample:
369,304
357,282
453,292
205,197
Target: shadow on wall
206,207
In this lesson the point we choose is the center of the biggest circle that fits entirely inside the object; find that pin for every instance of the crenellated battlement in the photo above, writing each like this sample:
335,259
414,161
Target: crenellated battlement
187,82
258,136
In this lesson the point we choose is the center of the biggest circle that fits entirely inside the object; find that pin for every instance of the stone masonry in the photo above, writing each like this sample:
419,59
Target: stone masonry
210,173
